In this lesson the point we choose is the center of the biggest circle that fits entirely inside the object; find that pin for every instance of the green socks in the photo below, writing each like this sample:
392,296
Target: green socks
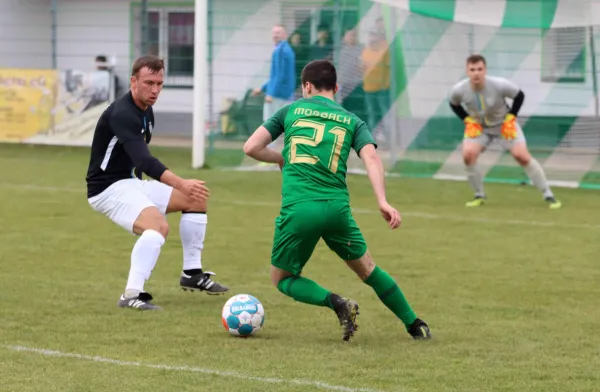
305,291
390,294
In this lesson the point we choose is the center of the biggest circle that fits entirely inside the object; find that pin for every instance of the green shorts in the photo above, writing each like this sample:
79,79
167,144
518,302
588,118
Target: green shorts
299,227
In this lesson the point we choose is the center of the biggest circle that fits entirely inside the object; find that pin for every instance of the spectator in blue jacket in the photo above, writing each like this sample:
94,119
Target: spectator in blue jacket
279,89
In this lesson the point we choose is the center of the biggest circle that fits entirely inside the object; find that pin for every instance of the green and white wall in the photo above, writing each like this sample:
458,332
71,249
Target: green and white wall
521,42
430,40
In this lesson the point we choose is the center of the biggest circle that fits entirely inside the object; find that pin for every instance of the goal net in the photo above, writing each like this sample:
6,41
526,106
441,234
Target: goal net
548,48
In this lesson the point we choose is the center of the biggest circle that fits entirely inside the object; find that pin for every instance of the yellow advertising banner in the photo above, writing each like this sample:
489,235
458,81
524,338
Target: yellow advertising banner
27,100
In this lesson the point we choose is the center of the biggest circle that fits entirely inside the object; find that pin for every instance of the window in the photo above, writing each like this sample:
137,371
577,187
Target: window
180,45
564,55
153,33
170,35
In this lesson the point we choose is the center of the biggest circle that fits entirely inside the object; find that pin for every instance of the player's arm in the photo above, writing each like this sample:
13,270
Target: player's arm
512,91
472,128
256,146
508,89
126,126
517,103
459,111
128,129
518,100
364,145
456,106
375,171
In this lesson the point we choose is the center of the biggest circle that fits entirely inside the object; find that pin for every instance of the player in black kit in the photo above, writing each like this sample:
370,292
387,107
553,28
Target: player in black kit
119,156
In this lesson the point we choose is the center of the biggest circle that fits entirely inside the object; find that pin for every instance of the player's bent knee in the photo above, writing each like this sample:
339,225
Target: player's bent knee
521,154
151,219
470,156
197,206
277,275
523,161
180,202
362,267
159,225
162,227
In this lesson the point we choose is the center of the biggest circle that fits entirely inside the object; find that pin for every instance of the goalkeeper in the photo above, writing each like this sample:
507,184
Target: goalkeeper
488,117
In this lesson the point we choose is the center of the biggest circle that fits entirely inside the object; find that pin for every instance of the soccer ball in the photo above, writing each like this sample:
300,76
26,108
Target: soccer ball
243,315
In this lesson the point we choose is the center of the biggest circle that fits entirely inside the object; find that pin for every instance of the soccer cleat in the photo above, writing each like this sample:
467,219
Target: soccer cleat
202,282
141,302
347,310
476,202
419,330
553,204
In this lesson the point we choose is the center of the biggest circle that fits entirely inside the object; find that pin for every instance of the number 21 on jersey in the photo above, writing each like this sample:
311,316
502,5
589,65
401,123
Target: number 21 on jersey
314,141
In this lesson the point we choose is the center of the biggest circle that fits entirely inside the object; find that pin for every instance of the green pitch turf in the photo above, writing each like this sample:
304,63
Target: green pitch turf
510,291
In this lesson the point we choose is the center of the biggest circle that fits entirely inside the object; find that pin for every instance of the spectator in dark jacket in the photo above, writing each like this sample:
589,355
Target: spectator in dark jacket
301,50
322,49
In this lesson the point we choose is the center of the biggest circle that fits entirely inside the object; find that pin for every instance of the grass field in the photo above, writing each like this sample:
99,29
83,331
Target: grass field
510,291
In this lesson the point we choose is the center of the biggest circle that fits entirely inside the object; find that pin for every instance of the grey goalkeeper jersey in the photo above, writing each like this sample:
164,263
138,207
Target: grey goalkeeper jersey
488,106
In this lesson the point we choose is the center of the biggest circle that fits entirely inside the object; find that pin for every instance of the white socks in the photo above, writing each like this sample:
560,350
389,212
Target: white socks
146,250
475,179
192,230
534,171
143,259
536,174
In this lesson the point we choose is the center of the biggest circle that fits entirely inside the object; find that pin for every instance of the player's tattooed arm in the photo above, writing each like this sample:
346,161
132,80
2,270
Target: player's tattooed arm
257,147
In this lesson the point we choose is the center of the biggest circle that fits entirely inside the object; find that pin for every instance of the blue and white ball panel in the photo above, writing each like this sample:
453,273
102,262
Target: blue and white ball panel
243,315
233,322
245,330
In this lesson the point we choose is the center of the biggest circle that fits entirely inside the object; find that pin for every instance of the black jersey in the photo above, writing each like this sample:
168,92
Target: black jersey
120,146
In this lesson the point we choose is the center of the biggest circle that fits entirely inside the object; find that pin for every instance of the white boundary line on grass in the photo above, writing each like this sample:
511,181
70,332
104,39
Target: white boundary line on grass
187,369
426,215
415,214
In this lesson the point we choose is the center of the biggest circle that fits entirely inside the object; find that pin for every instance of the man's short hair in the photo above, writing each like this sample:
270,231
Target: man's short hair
153,63
321,74
476,58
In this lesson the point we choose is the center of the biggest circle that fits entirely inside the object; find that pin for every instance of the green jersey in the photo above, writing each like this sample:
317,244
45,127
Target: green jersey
319,134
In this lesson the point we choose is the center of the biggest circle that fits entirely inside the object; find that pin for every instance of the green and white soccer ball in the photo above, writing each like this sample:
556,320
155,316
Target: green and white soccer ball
243,315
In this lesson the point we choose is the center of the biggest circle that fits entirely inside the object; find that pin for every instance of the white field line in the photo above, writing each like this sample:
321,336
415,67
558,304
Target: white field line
455,218
188,369
413,214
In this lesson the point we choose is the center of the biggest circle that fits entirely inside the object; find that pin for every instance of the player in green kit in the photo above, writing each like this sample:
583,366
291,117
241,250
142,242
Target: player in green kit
319,135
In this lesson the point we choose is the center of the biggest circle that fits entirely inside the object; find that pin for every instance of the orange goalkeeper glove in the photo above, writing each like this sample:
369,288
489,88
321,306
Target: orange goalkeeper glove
509,127
472,128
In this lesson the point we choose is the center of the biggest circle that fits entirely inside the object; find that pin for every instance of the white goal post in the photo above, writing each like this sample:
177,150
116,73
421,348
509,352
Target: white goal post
200,83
